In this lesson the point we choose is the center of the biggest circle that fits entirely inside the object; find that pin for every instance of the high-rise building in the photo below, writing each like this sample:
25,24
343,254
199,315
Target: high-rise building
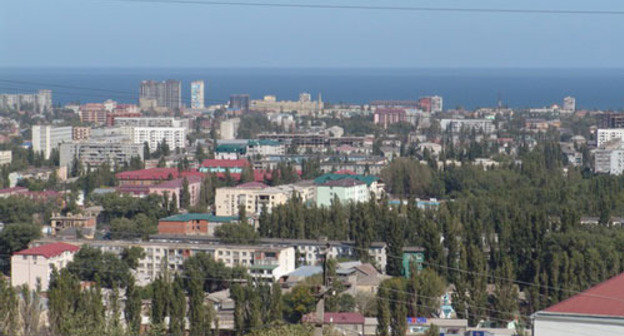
569,103
197,94
229,128
240,102
39,102
165,94
45,138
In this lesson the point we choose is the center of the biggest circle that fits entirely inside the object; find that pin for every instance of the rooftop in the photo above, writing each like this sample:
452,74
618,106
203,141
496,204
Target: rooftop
224,163
199,216
604,299
336,318
155,174
49,250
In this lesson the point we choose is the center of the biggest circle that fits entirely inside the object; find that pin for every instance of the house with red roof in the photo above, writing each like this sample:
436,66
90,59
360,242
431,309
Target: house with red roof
167,187
152,176
596,311
33,266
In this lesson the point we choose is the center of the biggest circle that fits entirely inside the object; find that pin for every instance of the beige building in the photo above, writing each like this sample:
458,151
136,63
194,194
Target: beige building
81,133
33,266
6,157
264,263
255,196
304,106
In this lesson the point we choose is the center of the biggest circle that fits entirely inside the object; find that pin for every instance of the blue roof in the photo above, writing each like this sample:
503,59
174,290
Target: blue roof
306,271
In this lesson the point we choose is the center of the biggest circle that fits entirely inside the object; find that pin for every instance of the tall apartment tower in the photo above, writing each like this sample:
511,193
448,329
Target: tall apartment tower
240,102
197,94
45,138
569,103
165,94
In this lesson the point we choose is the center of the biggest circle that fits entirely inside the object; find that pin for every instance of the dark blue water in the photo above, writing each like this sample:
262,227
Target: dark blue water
470,88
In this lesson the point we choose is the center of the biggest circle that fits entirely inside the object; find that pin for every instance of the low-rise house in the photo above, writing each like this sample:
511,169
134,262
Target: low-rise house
32,267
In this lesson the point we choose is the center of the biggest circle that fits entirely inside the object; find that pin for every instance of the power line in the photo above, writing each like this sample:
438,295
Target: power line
383,8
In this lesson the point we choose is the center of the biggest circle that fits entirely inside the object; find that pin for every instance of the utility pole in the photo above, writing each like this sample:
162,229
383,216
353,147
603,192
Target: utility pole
320,305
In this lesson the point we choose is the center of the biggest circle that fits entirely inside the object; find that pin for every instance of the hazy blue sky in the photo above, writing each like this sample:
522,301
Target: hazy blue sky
109,33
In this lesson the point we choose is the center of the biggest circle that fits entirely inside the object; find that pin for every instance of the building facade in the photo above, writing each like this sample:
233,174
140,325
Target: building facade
6,157
388,116
240,103
94,154
165,95
606,135
197,94
202,224
175,137
346,190
255,197
40,102
32,267
229,128
45,138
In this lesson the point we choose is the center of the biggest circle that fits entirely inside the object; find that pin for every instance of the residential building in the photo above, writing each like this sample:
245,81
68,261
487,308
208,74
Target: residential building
40,102
86,223
197,94
304,106
6,157
229,128
151,176
239,103
46,138
175,137
33,267
569,104
597,310
343,323
175,188
256,196
607,135
388,116
433,104
485,126
262,262
151,122
81,133
222,166
347,190
613,120
160,95
609,160
235,149
95,153
93,113
193,224
371,183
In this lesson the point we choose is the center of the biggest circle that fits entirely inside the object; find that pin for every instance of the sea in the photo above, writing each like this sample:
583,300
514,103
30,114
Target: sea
468,88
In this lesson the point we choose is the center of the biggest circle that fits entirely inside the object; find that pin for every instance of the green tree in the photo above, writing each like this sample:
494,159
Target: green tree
132,308
185,196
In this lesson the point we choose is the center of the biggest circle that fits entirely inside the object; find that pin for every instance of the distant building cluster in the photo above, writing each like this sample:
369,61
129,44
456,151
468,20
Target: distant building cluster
40,102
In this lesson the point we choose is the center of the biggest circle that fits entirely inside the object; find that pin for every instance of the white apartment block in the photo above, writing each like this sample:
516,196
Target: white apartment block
45,138
93,154
262,262
229,128
6,157
255,196
175,137
485,126
609,161
40,101
606,135
151,122
33,266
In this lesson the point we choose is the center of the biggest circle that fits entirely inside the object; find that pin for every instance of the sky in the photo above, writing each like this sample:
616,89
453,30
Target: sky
108,33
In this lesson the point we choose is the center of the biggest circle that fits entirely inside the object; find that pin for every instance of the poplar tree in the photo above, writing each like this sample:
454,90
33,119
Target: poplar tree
132,308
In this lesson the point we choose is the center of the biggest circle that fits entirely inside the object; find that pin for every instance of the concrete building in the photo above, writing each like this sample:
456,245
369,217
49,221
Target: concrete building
229,128
197,94
239,103
33,266
485,126
160,95
433,104
388,116
304,106
93,113
84,222
596,311
262,262
93,154
346,190
569,104
606,135
609,160
151,122
175,137
45,138
81,133
236,149
40,102
175,187
193,224
6,157
255,196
